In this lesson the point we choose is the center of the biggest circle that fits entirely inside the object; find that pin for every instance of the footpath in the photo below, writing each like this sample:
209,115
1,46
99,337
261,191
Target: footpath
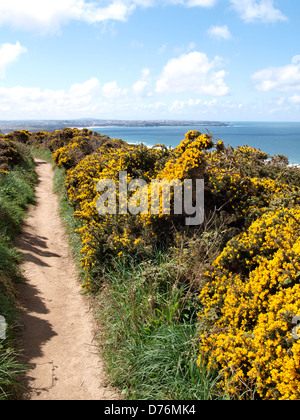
58,326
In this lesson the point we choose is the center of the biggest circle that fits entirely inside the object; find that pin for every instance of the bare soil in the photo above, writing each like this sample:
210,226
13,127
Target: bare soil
59,327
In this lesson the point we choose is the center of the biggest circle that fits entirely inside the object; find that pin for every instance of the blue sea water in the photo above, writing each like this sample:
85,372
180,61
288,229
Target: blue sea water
272,138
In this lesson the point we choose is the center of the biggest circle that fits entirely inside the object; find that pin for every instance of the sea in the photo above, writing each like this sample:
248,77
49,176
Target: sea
270,137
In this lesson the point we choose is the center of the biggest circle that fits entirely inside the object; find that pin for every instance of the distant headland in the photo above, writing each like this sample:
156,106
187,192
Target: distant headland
51,125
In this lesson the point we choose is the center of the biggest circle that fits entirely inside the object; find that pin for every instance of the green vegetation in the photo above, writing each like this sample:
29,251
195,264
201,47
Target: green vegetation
16,193
150,339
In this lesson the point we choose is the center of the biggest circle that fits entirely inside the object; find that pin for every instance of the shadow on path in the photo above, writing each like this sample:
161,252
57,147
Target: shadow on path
32,247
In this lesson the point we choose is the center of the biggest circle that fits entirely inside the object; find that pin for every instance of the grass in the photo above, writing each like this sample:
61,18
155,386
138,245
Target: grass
149,331
16,193
164,367
41,153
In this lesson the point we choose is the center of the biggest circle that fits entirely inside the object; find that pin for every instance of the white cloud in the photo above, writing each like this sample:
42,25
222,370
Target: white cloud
193,3
27,102
295,99
202,3
9,53
111,90
89,87
283,79
219,32
296,59
178,105
185,48
47,16
85,100
193,72
140,86
258,11
162,49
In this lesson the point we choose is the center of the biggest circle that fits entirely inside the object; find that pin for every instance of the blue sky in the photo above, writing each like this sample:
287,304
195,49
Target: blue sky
226,60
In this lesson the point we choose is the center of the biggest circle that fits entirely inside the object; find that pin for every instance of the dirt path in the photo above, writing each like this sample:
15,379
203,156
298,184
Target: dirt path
59,333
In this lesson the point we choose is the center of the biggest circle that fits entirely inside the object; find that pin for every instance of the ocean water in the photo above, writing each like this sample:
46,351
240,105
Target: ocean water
272,138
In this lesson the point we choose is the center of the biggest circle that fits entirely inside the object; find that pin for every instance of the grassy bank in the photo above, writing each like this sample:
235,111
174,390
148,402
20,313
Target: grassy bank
17,180
150,331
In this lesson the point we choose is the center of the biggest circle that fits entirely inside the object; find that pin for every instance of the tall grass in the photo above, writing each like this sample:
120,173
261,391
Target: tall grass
16,193
41,153
148,336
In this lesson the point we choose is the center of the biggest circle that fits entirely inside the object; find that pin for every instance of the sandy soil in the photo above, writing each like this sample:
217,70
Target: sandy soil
59,329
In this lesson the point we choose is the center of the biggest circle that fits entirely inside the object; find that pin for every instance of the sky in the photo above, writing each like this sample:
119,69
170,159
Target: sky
223,60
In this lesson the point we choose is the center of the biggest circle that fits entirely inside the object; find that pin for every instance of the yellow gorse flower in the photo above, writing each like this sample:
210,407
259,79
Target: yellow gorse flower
255,291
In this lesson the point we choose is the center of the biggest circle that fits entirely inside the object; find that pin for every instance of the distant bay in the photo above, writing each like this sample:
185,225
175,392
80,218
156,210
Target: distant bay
272,138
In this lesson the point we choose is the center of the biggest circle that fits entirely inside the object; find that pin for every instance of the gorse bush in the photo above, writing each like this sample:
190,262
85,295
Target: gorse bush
79,147
104,237
249,301
9,154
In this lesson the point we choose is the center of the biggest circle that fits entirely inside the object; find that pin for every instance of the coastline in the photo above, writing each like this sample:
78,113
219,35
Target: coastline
273,138
277,139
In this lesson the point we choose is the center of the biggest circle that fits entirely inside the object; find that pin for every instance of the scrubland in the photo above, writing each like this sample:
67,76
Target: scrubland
186,312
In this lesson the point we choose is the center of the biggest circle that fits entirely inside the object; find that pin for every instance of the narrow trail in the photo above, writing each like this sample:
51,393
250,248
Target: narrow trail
59,328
